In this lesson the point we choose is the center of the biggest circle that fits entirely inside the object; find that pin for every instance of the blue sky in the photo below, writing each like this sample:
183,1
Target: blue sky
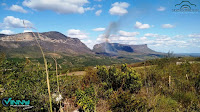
151,22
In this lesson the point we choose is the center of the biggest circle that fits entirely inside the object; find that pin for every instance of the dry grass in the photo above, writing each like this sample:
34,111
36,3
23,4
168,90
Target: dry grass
102,106
77,73
45,63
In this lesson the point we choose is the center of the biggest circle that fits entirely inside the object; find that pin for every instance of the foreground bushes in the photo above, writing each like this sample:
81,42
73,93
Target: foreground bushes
114,85
164,86
124,78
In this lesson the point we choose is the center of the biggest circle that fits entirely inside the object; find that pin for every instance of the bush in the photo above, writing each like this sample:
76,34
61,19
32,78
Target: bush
121,101
125,78
166,104
86,99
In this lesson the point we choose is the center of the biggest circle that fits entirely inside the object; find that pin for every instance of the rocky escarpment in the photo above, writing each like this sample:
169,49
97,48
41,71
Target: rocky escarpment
50,41
115,48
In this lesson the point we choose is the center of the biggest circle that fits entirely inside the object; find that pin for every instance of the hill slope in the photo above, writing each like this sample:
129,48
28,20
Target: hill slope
116,48
2,35
50,41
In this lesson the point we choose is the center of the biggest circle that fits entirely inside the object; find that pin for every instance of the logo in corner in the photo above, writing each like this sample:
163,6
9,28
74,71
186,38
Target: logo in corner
16,103
185,6
5,102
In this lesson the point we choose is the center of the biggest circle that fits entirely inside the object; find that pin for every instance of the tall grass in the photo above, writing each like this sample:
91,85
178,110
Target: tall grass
45,63
61,110
56,72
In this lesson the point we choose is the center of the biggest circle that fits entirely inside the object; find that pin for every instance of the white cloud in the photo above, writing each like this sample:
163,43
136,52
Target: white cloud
27,31
169,42
143,38
179,36
12,22
195,42
128,34
164,42
155,35
89,8
161,9
161,43
194,35
17,8
101,38
99,29
59,6
119,8
139,25
121,37
8,32
167,26
75,33
125,39
89,43
151,35
98,13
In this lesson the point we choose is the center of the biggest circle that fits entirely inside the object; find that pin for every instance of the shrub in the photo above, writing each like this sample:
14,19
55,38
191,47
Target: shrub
166,104
86,99
121,101
125,78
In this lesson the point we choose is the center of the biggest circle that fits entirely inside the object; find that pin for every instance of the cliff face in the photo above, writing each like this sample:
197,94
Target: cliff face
114,48
50,41
142,49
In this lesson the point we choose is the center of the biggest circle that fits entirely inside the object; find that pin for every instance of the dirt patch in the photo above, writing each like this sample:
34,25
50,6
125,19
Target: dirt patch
77,73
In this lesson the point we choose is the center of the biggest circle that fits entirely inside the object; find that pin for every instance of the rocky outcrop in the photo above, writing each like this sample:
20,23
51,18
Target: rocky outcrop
50,41
114,48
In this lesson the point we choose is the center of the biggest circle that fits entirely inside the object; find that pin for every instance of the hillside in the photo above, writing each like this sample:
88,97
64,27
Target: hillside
24,43
72,49
122,49
2,35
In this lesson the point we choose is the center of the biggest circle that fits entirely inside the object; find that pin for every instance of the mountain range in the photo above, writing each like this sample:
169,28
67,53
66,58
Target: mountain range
56,42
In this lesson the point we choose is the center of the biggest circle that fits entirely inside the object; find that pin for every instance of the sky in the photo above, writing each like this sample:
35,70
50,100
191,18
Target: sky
158,23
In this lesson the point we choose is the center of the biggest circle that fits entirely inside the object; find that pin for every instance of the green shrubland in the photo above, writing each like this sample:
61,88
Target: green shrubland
158,85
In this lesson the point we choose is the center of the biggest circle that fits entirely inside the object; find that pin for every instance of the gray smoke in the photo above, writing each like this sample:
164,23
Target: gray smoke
112,28
129,18
124,21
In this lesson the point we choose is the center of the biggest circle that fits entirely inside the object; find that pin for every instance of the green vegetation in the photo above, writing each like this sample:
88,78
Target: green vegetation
154,85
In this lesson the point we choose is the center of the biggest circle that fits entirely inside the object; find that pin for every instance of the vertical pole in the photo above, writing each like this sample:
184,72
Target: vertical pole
169,81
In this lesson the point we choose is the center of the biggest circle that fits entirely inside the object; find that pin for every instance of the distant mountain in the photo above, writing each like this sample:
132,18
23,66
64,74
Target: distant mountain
188,54
55,42
2,35
116,49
